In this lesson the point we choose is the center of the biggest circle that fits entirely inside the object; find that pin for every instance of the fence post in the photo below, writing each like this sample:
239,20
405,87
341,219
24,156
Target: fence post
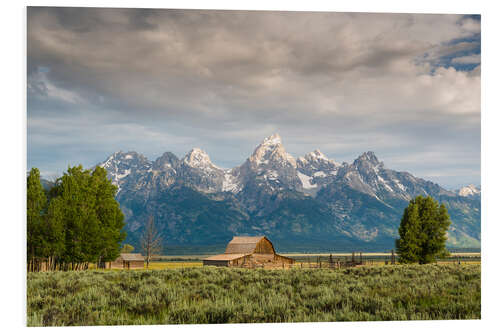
360,258
353,258
393,258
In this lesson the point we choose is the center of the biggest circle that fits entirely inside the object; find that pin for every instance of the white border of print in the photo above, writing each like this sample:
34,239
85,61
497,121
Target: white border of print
13,162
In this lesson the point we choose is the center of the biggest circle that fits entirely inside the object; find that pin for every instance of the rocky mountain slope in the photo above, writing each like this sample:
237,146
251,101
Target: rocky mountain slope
308,203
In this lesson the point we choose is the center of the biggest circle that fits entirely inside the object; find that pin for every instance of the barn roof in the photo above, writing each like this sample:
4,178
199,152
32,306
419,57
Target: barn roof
132,257
244,244
224,257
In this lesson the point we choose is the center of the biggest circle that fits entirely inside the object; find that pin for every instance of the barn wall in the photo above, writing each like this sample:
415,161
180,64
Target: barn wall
264,246
282,259
118,263
136,264
240,262
263,258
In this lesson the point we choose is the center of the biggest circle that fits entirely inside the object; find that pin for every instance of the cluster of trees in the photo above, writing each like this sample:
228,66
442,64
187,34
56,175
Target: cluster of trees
423,231
77,222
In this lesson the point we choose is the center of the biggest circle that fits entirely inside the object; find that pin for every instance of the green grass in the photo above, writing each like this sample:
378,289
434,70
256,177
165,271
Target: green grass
222,295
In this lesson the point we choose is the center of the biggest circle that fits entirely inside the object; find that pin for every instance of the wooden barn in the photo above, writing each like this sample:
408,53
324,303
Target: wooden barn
249,252
127,261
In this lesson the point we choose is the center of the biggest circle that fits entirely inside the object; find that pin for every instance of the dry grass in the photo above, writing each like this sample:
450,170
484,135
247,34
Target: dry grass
222,295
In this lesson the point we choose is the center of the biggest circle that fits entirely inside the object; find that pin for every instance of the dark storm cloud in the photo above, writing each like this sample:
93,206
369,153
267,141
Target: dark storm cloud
100,80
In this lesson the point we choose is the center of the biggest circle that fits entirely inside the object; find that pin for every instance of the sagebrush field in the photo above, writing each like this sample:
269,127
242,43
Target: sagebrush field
222,295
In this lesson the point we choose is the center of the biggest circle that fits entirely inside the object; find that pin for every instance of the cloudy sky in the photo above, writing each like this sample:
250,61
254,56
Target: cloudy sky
404,86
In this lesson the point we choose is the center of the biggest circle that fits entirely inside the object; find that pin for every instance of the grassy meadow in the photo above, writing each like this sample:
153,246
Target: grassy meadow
223,295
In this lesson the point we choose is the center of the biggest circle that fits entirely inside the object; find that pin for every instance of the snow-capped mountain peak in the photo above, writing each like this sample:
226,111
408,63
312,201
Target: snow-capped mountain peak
369,156
469,190
168,161
368,160
197,158
271,149
119,165
315,155
272,140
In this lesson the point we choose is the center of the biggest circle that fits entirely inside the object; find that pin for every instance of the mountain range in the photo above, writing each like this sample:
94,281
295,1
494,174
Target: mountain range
309,203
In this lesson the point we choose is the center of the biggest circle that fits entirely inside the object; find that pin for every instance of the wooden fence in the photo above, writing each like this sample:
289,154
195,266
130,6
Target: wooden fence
358,259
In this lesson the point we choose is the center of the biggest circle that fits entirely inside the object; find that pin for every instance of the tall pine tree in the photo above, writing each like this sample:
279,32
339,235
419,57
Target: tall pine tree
36,206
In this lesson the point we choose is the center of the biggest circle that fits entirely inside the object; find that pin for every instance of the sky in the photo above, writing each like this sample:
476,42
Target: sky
406,86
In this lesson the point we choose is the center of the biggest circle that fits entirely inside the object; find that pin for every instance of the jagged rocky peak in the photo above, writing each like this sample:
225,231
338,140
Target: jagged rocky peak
166,161
197,170
271,149
315,155
129,159
197,158
368,159
274,139
119,165
469,190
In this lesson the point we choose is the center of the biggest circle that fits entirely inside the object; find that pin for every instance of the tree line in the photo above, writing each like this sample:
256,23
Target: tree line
76,222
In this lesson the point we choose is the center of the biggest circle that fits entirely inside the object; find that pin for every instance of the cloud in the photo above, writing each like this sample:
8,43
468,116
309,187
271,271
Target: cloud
338,81
471,59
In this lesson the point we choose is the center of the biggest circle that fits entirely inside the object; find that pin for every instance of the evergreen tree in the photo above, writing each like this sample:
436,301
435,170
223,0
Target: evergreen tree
422,231
36,206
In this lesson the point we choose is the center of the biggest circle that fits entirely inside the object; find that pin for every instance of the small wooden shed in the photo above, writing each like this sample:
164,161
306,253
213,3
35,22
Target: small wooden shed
249,252
127,261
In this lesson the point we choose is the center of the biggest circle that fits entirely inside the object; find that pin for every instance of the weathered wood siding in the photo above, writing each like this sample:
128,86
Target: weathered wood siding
136,264
264,246
282,259
249,252
118,263
263,258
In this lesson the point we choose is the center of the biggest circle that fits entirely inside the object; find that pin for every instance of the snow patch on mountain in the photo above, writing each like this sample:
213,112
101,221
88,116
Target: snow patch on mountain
272,175
398,184
124,174
230,183
306,181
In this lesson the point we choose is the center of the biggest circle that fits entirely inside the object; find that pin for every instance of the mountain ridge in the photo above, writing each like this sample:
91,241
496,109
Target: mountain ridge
306,199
